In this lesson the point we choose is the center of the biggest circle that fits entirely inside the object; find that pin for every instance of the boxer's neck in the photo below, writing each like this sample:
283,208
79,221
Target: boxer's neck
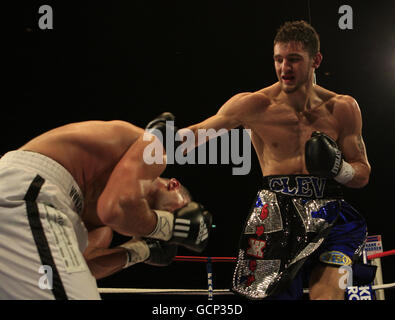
302,99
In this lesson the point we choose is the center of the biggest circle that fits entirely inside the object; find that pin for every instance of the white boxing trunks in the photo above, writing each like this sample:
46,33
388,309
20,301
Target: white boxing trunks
42,236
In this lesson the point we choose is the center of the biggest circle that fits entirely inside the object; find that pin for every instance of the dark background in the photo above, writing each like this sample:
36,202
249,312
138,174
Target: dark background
132,60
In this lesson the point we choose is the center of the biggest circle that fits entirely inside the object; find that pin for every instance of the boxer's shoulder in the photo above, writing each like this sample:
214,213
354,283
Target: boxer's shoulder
342,106
114,128
346,109
251,99
337,100
251,103
244,106
269,93
102,136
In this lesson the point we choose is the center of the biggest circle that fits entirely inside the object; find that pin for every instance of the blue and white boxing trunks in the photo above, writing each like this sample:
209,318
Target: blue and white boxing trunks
294,219
42,236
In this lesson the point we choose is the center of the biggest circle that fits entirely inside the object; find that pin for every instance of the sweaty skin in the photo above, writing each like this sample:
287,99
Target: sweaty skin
282,118
106,160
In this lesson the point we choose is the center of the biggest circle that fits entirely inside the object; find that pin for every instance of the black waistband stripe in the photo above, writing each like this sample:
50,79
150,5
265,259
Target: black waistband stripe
303,186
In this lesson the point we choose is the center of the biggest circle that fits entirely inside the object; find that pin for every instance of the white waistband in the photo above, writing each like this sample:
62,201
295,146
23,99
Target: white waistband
49,169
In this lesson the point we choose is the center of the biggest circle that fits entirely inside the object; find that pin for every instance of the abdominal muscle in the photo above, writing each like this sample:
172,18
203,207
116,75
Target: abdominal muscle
294,165
281,152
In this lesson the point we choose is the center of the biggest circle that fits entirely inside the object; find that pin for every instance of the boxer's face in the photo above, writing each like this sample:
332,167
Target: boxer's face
293,64
168,194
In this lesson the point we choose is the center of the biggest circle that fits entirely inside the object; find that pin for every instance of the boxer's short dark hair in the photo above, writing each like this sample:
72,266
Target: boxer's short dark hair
299,31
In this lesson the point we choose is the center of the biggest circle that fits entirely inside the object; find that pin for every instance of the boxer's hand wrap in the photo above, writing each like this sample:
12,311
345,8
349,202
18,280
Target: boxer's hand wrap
161,253
164,226
137,251
324,159
188,226
192,225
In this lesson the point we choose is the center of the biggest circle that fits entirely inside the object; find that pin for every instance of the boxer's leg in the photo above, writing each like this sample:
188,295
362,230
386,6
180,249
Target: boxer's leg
68,260
40,256
324,283
338,249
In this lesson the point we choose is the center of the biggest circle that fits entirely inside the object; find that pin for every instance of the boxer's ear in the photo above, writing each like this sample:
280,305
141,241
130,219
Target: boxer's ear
317,59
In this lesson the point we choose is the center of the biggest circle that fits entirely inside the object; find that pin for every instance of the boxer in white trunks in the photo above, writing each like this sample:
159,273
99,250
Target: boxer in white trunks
82,177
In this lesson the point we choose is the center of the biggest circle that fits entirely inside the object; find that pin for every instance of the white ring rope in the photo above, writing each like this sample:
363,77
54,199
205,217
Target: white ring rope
200,291
164,291
216,291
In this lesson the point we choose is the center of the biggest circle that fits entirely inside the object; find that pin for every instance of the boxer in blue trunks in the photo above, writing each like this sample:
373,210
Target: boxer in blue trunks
309,144
296,223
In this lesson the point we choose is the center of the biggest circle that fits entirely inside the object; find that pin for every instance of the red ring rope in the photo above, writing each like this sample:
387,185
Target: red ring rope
382,254
204,259
233,259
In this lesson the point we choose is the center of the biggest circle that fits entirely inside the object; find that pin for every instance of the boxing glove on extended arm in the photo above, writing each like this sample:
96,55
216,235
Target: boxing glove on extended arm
324,159
161,124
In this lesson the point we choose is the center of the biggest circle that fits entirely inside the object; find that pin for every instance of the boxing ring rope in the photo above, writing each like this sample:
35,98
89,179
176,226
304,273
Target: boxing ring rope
382,254
204,259
200,291
193,292
211,292
233,259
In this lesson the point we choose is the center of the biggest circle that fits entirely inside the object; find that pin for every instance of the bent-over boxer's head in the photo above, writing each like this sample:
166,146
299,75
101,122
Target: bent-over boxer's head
296,55
168,194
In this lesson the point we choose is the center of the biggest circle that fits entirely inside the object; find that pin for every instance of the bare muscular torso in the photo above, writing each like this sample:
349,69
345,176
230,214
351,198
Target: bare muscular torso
89,151
279,131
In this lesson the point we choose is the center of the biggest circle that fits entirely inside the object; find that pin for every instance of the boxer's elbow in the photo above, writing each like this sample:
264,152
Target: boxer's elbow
123,214
107,210
362,182
366,169
112,208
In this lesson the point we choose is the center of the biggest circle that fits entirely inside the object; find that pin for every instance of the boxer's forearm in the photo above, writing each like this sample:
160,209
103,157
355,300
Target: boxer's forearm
361,175
131,217
200,133
105,262
232,114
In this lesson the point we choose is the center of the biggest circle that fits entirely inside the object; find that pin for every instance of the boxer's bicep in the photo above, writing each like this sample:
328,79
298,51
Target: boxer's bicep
355,154
352,145
123,193
217,122
210,128
350,140
354,149
235,112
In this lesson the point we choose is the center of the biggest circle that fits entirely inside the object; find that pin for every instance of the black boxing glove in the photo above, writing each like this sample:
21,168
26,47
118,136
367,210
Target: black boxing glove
161,124
153,252
137,251
160,121
324,159
192,225
188,226
161,253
